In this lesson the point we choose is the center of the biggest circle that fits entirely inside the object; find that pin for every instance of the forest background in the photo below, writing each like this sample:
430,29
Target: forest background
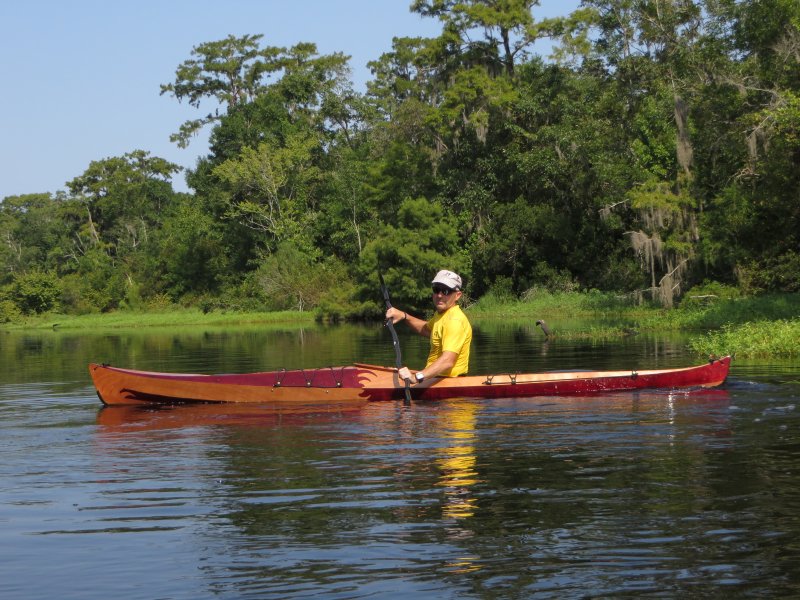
655,157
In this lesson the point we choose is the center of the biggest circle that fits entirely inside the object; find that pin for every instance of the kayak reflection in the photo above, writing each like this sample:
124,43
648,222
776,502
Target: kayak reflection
152,417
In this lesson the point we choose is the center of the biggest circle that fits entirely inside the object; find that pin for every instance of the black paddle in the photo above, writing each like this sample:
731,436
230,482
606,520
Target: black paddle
398,359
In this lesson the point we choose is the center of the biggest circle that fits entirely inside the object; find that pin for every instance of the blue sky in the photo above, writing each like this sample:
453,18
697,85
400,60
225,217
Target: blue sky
81,77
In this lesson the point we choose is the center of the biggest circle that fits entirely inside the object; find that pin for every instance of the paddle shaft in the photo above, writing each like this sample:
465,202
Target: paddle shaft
398,357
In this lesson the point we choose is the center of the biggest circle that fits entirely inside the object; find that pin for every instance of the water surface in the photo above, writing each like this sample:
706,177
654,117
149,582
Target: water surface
651,493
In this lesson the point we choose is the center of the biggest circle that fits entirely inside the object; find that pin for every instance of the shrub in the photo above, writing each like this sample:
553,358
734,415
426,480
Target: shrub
35,292
708,292
752,339
133,297
776,274
159,302
80,297
9,311
291,279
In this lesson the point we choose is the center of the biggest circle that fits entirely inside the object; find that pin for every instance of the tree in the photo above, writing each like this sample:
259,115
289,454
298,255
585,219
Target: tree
191,257
35,292
750,117
291,279
507,26
259,182
422,240
233,72
229,71
348,209
666,240
30,229
115,208
661,57
271,189
124,197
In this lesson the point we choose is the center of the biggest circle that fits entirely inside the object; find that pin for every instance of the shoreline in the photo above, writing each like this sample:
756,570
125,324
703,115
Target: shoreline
760,326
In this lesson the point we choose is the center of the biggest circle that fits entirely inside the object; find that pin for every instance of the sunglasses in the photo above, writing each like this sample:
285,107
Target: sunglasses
444,291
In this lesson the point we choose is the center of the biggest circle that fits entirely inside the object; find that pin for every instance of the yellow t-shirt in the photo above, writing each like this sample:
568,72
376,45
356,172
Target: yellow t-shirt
451,331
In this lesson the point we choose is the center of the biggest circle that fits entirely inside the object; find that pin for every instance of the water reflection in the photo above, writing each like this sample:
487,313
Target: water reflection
695,493
137,418
457,458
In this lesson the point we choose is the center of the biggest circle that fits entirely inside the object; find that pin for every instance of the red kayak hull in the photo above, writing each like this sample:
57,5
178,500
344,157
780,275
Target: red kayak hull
362,383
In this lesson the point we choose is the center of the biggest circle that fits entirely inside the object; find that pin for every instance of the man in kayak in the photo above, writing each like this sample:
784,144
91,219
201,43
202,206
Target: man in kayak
449,331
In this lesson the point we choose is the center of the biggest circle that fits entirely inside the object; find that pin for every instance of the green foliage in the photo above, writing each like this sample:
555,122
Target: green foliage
523,236
653,144
540,198
9,311
553,280
191,257
247,125
114,216
752,339
423,240
78,297
231,73
348,208
290,279
543,303
660,151
271,189
778,273
709,292
502,292
31,230
340,301
508,28
736,311
159,303
98,284
35,292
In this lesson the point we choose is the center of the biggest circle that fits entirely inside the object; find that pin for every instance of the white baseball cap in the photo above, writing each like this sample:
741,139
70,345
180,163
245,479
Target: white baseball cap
448,278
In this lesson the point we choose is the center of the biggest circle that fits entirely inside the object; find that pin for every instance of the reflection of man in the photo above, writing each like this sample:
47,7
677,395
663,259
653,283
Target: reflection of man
456,459
449,331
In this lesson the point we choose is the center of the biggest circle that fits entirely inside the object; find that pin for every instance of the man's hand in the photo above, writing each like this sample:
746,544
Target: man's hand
394,315
404,373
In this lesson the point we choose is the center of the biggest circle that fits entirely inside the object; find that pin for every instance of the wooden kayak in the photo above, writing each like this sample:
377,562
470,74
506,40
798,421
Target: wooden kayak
361,382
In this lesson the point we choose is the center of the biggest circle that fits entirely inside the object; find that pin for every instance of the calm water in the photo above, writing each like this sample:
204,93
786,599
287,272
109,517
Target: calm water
658,493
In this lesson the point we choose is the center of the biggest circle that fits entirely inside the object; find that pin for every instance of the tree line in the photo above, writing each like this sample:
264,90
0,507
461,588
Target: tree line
658,151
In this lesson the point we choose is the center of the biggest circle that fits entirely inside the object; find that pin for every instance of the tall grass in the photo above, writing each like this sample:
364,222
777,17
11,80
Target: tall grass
168,318
543,303
732,311
708,315
752,339
756,326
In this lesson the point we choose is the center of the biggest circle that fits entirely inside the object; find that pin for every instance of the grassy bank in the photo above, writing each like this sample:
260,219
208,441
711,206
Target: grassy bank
545,304
756,326
170,318
760,339
762,326
707,314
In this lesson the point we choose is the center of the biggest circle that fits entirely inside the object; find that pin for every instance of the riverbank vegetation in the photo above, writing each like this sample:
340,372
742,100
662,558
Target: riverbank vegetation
176,317
741,325
764,325
753,339
652,158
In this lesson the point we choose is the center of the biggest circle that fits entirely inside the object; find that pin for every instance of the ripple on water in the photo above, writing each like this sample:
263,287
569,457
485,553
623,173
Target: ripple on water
661,493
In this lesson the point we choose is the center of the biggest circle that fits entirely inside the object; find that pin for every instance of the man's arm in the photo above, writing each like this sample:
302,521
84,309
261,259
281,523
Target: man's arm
419,326
445,362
